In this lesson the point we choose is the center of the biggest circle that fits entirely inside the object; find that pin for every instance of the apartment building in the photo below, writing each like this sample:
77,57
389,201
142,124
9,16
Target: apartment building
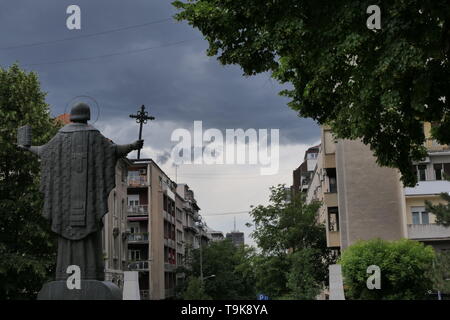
163,225
362,200
114,234
303,174
236,237
191,218
215,235
152,247
431,173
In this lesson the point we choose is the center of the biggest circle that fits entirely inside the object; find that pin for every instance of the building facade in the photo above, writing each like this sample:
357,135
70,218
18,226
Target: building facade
361,200
114,233
236,237
163,225
304,173
152,249
215,235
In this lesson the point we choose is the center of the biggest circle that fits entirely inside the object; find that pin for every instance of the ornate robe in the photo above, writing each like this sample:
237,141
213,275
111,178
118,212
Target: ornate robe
78,173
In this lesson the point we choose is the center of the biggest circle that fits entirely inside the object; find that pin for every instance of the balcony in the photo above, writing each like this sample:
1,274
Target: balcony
330,199
190,227
138,266
329,160
137,181
428,232
433,145
169,243
140,210
169,217
145,294
169,267
430,187
138,237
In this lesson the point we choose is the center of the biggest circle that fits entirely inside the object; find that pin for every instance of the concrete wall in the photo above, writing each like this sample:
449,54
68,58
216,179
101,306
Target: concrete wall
370,197
156,230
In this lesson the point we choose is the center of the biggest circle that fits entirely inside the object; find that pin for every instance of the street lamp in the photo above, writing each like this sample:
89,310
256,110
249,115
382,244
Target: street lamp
200,225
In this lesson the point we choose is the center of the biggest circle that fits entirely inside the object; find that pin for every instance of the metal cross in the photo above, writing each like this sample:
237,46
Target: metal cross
141,118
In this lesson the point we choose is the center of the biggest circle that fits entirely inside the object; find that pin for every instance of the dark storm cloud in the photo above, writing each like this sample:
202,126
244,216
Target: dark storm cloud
178,82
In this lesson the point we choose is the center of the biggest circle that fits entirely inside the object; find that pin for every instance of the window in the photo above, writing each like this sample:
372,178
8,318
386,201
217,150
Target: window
133,200
422,172
425,218
438,171
333,219
179,215
165,203
419,215
446,169
311,156
134,255
134,227
415,218
331,173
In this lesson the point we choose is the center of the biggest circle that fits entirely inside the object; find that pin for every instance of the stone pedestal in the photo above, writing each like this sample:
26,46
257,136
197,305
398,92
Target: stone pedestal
89,290
131,285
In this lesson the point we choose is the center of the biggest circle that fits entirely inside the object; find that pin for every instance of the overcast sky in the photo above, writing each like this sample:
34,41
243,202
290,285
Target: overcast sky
163,65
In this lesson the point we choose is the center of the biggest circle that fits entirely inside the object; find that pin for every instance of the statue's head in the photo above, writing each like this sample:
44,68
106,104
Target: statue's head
80,113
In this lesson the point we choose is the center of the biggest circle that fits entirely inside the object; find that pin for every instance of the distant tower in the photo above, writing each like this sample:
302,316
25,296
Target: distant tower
235,236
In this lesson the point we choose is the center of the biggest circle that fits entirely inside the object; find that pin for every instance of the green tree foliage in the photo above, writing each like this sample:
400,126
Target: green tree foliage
302,279
440,273
271,273
441,211
404,266
294,254
194,290
232,269
374,85
27,249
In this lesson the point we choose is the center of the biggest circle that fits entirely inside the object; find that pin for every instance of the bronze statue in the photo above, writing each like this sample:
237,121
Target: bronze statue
77,174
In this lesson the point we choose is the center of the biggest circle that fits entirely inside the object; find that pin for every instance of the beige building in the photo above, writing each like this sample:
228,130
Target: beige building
162,224
151,225
114,234
362,200
191,218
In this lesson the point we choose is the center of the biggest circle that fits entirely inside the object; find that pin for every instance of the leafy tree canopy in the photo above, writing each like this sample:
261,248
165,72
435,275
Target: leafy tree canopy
27,248
294,254
194,290
231,267
374,85
442,211
404,267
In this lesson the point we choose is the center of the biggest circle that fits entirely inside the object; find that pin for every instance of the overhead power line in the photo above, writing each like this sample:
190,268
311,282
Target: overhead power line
110,54
225,213
34,44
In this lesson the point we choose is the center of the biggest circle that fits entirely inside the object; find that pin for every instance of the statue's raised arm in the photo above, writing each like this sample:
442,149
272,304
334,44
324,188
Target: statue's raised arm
123,149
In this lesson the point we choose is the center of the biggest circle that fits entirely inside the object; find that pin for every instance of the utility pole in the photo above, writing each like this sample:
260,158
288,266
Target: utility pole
201,255
141,118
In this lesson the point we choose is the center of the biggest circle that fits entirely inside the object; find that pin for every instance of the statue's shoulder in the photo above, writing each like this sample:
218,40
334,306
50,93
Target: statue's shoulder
73,127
